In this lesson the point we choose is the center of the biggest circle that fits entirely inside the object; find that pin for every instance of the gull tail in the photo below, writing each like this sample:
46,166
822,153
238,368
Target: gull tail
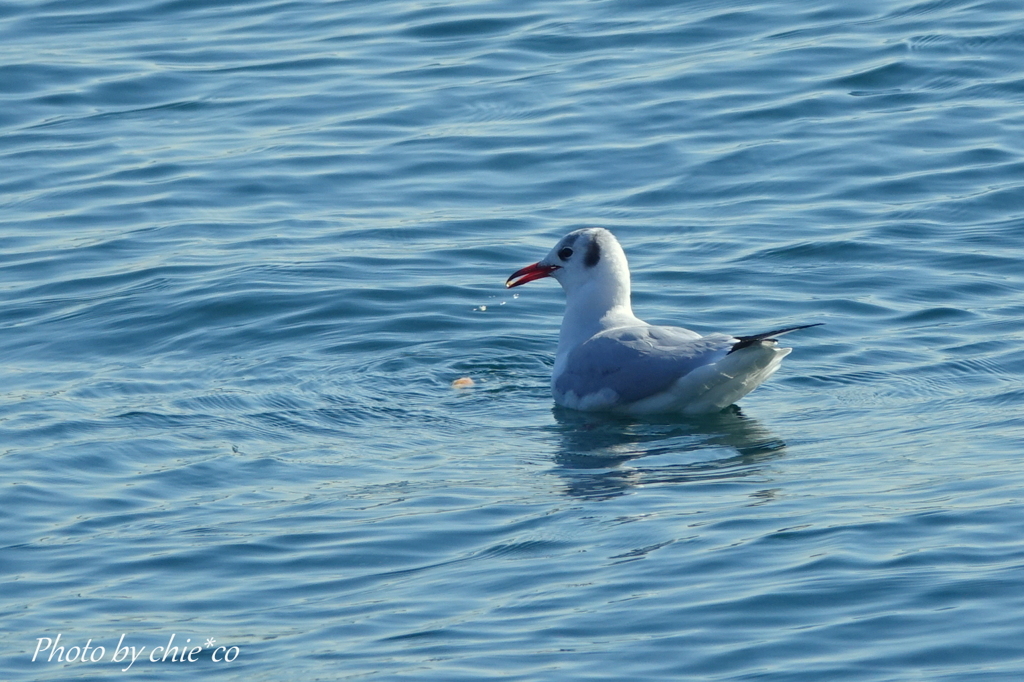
746,341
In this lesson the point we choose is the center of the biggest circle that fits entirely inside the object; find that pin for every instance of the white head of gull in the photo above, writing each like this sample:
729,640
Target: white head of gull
610,360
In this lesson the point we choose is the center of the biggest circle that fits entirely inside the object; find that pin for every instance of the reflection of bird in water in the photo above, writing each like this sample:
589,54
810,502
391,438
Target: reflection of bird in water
607,457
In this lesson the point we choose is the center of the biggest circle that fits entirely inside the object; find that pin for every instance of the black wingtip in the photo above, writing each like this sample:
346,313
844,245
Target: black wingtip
746,341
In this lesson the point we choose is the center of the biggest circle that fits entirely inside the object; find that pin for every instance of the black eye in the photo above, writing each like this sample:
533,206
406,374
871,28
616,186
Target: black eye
565,253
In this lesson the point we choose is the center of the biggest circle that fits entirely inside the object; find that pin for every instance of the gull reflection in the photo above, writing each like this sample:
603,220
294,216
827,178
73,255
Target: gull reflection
602,456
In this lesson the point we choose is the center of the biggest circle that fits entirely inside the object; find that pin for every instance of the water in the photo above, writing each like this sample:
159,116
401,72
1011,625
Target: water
247,247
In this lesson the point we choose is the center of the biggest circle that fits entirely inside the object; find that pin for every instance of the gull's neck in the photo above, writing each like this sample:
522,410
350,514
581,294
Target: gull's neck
598,304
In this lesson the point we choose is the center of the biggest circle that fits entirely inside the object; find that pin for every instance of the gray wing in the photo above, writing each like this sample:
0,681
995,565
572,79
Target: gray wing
638,362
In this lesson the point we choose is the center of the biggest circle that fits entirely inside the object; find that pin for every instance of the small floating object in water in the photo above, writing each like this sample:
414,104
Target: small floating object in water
464,382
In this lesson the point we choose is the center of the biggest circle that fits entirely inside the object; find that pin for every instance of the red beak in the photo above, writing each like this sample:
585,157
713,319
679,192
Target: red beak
530,273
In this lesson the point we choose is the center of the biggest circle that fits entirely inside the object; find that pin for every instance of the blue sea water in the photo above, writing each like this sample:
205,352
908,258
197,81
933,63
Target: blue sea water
246,248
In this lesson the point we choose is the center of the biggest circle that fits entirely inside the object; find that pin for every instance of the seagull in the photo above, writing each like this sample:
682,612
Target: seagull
609,360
